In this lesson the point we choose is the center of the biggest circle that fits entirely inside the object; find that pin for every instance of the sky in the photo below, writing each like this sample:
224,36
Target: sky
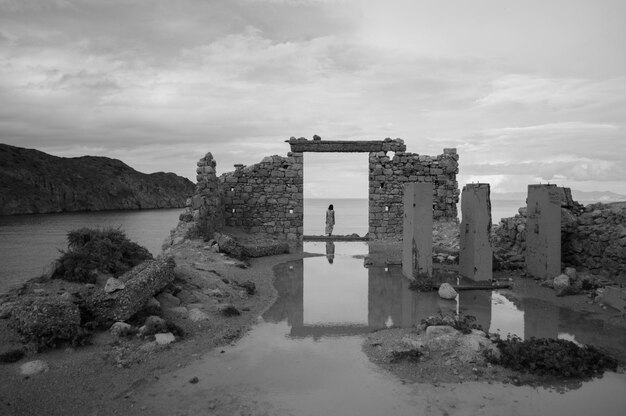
530,91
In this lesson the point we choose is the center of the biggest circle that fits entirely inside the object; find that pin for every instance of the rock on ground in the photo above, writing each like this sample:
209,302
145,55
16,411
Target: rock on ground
164,339
561,282
32,368
141,283
46,320
446,291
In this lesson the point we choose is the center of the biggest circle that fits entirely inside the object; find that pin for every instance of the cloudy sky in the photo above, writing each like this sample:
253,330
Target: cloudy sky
527,91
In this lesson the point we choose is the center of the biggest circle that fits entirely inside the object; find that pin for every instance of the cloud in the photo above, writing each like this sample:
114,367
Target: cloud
162,83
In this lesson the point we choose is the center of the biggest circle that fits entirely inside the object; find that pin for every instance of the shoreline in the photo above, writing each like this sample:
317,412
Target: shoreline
104,377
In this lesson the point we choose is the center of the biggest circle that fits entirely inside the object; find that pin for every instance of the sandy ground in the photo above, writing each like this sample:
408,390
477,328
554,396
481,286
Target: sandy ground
99,379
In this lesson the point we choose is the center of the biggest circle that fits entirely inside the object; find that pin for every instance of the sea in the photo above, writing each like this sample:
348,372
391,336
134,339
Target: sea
30,243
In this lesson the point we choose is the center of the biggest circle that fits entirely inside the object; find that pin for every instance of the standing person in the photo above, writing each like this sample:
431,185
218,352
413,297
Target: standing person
330,220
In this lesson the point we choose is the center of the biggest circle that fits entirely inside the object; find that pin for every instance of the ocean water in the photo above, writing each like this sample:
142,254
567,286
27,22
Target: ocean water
351,215
29,243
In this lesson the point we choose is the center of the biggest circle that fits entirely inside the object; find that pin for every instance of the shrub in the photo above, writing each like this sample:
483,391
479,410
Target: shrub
422,283
412,355
552,357
106,250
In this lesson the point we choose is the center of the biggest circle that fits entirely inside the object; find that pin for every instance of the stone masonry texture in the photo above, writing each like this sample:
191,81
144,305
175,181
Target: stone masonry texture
267,197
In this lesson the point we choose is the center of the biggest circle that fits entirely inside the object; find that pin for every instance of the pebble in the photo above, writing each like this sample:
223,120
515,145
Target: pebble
32,368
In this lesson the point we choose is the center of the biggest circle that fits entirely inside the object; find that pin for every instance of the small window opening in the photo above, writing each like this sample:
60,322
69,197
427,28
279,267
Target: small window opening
233,210
386,209
291,210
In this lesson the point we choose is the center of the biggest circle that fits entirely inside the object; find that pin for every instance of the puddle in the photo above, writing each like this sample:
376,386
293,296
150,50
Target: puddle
304,357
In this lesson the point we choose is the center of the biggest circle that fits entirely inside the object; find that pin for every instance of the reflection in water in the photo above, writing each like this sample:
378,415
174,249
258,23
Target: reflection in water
322,298
330,251
290,365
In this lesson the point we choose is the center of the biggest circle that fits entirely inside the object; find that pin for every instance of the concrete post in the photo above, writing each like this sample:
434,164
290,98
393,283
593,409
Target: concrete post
417,233
543,231
476,254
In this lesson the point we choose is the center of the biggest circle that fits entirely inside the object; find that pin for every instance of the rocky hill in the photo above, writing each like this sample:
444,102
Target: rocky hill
36,182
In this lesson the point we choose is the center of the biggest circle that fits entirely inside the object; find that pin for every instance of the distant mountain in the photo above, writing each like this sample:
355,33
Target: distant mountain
36,182
580,196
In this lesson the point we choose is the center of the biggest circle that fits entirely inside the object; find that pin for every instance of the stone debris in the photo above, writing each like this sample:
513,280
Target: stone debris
46,320
446,291
121,329
141,283
164,339
167,300
196,315
561,282
153,325
35,367
113,285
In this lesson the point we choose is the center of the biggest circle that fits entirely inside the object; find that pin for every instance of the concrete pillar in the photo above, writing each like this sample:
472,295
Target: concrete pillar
476,254
543,231
417,234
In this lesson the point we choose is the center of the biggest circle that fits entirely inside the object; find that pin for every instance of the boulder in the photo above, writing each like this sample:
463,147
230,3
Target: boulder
6,309
121,329
561,282
571,273
164,339
253,248
153,325
32,368
167,300
186,297
446,291
196,315
113,285
141,283
152,307
441,338
180,311
46,320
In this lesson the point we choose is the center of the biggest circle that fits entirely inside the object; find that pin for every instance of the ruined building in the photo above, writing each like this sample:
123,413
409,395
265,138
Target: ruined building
268,197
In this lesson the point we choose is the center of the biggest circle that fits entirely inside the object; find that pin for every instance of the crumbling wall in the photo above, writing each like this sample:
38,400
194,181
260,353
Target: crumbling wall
266,197
387,176
593,238
598,241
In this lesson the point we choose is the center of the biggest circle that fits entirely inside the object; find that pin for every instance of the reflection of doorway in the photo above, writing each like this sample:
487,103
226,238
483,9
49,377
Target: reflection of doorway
340,179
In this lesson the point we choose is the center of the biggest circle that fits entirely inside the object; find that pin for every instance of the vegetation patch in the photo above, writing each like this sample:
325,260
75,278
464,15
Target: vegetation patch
552,357
422,283
412,356
462,323
106,250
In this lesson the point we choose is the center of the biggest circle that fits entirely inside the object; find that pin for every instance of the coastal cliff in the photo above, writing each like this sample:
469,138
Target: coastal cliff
34,182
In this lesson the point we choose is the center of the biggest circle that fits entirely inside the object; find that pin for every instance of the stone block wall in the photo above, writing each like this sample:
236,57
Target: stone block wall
387,177
593,239
598,241
266,197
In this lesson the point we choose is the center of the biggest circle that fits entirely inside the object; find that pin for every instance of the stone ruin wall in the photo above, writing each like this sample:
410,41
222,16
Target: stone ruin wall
387,177
268,197
593,238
